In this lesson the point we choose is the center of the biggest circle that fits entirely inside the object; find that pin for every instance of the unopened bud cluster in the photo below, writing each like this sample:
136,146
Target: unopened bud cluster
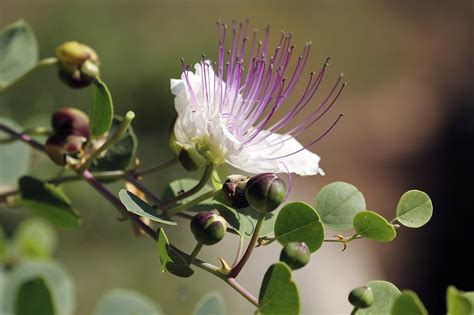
70,133
361,297
295,254
265,192
78,64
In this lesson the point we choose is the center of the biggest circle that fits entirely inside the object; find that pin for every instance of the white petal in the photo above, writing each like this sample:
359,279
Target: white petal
262,157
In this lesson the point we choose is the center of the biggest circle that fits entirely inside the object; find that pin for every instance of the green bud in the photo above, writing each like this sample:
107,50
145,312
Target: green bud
208,227
59,148
234,190
265,192
70,121
361,297
295,254
78,64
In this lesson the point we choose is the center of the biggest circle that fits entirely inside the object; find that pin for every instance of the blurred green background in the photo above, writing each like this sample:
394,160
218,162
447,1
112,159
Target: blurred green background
403,61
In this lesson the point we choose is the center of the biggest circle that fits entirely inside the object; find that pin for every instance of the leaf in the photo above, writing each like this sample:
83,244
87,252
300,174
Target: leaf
136,205
338,203
179,186
24,278
33,297
18,52
459,302
102,109
278,293
120,155
408,303
385,294
49,202
244,220
414,209
16,155
170,260
299,222
373,226
210,304
35,239
126,302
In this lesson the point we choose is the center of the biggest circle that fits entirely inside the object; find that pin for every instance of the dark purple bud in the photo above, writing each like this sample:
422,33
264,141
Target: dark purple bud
58,148
295,254
208,227
265,192
70,121
234,190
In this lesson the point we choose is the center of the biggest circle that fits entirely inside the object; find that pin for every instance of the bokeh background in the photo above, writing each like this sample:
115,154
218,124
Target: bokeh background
409,123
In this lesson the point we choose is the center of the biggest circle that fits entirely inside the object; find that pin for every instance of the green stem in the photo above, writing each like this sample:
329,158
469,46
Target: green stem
354,311
202,182
192,203
195,252
42,63
237,268
116,136
157,168
239,251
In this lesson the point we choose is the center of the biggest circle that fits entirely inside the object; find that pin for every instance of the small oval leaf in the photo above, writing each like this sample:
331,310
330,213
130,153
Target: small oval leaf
299,222
134,204
102,109
210,304
126,302
373,226
179,186
414,209
338,203
170,260
47,201
408,303
278,293
18,52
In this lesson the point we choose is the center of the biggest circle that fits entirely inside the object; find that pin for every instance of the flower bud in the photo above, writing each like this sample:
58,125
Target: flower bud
361,297
78,64
265,192
58,148
234,190
208,228
190,159
295,254
70,121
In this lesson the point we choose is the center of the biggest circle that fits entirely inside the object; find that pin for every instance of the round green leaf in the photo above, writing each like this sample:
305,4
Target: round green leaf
170,260
373,226
126,302
44,282
244,220
210,304
15,154
179,186
408,303
338,203
18,52
35,239
458,302
278,293
299,222
136,205
49,202
102,109
385,295
414,209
